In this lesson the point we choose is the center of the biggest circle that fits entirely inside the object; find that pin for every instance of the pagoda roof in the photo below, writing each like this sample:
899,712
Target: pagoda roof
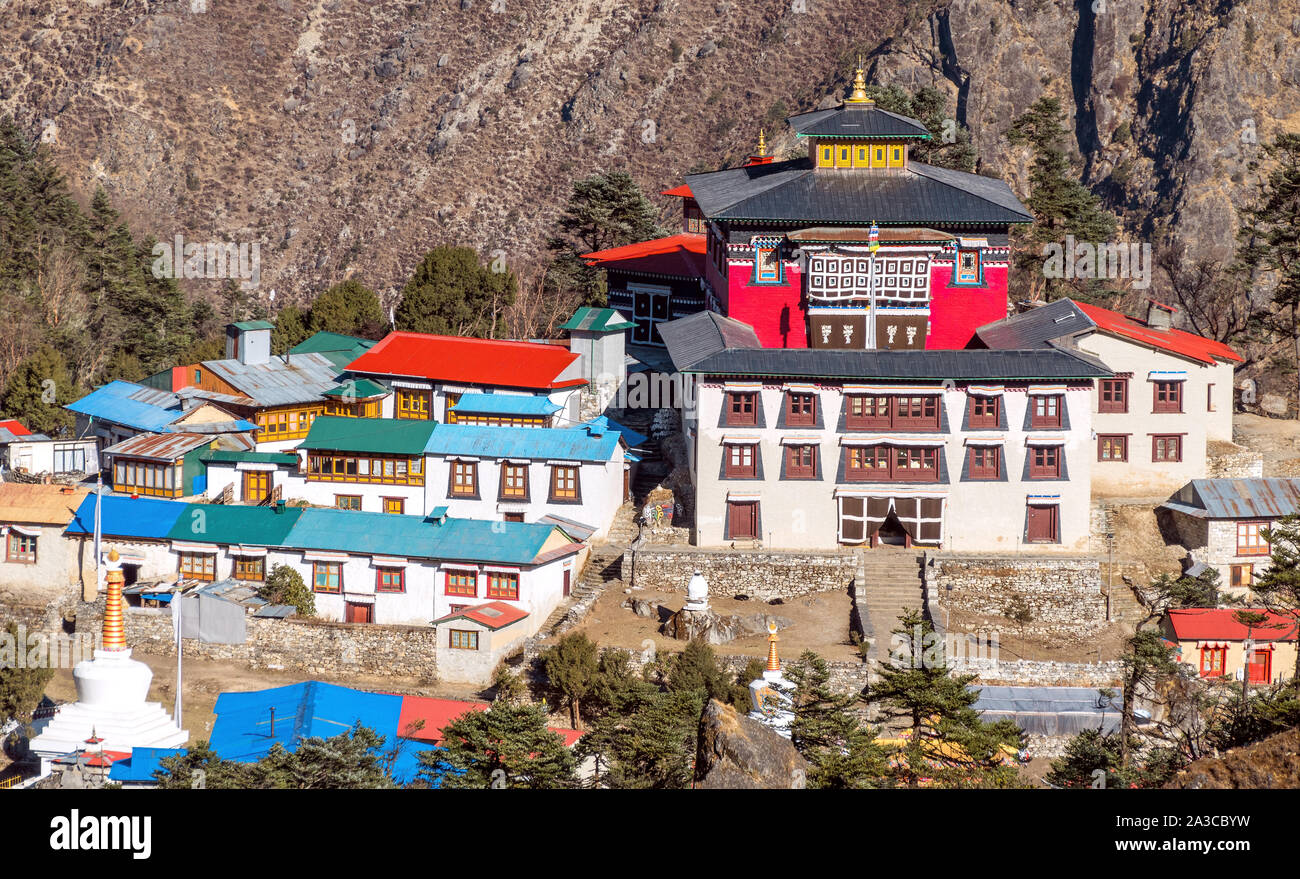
794,192
864,120
679,256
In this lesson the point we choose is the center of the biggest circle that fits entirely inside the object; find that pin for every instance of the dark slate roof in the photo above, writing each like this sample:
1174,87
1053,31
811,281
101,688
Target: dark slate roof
1264,498
1036,327
903,365
793,192
691,339
856,120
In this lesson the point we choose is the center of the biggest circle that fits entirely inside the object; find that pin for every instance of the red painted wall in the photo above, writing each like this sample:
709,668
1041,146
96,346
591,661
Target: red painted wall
956,312
775,312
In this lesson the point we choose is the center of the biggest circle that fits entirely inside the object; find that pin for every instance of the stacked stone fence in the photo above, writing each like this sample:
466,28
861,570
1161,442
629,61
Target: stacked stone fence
308,646
762,575
1063,595
1230,461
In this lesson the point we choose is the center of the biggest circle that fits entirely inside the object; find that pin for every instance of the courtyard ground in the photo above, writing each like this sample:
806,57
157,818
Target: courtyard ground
1277,439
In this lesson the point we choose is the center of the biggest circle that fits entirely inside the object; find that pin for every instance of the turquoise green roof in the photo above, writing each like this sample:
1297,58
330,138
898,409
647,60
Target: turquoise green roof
254,325
334,347
224,456
597,320
394,436
234,524
360,389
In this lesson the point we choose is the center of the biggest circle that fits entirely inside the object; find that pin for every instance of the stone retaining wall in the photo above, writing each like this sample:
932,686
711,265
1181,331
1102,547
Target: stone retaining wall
1230,461
1063,594
762,575
311,647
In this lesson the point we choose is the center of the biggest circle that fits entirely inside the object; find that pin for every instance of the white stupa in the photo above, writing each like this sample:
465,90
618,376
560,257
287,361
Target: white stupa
112,690
771,695
697,594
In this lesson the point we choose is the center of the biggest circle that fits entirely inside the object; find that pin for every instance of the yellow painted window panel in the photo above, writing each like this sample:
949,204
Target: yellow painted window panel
826,157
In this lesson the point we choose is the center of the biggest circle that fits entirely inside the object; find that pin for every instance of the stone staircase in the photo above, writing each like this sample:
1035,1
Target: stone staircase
604,566
887,582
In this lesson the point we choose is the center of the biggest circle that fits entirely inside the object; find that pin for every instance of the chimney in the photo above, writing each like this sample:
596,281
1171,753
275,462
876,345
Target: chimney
279,506
1159,317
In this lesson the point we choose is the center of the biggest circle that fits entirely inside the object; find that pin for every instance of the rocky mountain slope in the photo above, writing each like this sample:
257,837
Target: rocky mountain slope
350,136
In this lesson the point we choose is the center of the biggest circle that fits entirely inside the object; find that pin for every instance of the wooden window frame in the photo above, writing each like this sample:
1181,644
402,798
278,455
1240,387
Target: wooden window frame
795,467
1050,465
1045,419
1259,546
340,505
733,470
462,479
897,463
17,554
899,409
400,502
383,574
981,470
571,495
1208,669
205,571
509,472
800,408
462,584
412,404
379,469
462,639
1104,438
977,419
1167,397
251,569
502,586
1157,458
736,415
1112,395
1241,576
319,568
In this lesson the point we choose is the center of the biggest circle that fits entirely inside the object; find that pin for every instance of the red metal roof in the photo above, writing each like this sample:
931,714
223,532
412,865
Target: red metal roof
15,428
1174,341
437,713
1217,624
491,362
681,191
494,614
681,255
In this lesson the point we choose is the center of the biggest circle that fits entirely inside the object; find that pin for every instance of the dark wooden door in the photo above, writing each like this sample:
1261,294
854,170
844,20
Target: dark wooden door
568,577
358,613
744,520
1042,524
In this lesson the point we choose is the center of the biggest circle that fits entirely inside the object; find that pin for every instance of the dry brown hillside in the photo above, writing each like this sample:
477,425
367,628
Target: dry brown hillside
350,136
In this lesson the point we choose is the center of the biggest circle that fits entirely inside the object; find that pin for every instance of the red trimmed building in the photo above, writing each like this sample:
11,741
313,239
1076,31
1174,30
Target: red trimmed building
853,247
1216,644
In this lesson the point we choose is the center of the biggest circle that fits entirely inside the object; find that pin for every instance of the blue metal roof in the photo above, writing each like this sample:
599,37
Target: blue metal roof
143,517
507,404
544,443
142,764
131,405
243,729
630,437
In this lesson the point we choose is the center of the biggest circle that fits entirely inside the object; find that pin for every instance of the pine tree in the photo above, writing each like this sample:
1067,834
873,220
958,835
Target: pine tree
841,750
450,293
38,390
290,329
1278,588
1061,205
1269,240
504,746
648,743
571,665
350,308
177,773
354,760
284,585
21,688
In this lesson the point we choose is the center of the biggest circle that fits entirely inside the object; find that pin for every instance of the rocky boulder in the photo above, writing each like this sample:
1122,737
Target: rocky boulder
737,752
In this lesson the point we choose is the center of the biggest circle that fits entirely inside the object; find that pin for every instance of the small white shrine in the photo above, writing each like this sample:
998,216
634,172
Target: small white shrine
772,695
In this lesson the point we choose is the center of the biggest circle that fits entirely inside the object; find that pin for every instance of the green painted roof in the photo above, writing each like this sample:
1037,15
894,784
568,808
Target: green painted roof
224,456
254,325
395,436
597,320
360,389
234,524
335,347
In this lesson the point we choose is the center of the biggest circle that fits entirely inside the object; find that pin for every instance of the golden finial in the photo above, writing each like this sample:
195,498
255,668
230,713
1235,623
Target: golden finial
859,93
762,143
773,662
112,555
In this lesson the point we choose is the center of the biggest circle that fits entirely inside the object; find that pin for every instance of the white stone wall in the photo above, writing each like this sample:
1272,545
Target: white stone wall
979,515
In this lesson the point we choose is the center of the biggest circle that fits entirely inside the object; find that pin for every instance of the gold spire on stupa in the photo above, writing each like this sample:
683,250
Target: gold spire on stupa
762,143
773,661
859,93
115,606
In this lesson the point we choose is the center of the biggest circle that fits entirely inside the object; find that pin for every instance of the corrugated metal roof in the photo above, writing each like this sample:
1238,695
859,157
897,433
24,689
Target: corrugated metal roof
631,438
692,338
142,517
464,360
1036,327
340,349
191,394
39,504
395,436
795,192
159,446
560,443
507,404
1265,498
358,389
300,378
857,120
895,235
218,456
597,320
929,365
495,615
130,405
235,524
